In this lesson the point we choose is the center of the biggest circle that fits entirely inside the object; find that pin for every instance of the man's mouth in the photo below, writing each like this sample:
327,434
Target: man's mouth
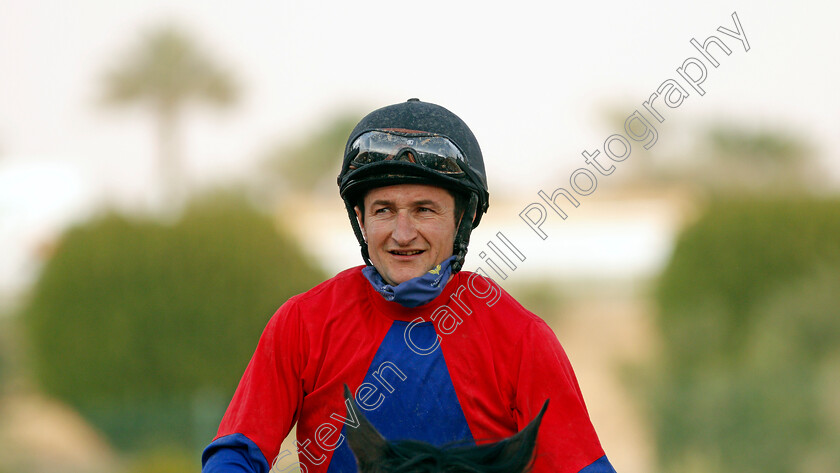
405,252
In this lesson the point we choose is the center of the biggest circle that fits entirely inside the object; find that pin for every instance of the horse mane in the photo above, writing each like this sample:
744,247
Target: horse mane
410,456
374,454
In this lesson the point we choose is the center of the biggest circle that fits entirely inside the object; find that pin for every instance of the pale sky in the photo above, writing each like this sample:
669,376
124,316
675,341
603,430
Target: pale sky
531,79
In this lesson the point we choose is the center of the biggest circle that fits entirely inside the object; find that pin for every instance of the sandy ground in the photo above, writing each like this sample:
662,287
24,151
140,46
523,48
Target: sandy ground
601,339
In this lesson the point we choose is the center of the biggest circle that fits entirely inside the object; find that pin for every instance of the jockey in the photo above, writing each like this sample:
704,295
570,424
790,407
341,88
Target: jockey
431,352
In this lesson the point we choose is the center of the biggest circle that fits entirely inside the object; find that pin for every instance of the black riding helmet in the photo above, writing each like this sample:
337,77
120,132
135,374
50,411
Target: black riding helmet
415,142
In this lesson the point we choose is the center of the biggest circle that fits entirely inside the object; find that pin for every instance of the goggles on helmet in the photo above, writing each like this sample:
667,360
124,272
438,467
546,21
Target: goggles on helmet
432,151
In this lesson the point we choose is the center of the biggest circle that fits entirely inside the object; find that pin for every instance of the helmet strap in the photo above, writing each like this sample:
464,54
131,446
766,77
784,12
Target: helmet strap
354,222
462,237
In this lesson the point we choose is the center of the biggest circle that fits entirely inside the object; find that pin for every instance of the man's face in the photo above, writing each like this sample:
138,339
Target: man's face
409,228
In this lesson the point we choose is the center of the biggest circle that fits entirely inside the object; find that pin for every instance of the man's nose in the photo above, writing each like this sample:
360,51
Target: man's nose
405,229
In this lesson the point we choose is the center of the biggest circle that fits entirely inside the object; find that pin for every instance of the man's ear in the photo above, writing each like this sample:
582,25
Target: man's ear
359,219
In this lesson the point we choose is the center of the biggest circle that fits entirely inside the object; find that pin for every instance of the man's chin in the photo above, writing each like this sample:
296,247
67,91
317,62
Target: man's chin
399,281
402,277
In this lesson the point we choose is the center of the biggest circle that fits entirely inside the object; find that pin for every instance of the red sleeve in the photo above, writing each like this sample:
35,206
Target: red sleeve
567,441
267,401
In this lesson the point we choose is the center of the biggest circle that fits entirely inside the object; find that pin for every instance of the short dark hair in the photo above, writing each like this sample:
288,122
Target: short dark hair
461,201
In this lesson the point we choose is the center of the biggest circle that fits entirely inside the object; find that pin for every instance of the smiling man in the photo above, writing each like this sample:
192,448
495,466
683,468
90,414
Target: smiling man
409,229
414,186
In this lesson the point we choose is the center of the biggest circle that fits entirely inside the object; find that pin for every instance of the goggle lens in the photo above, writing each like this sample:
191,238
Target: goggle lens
431,151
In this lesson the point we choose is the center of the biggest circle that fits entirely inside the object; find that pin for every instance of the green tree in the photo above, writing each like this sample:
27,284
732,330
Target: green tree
166,72
146,328
4,348
164,460
767,161
747,378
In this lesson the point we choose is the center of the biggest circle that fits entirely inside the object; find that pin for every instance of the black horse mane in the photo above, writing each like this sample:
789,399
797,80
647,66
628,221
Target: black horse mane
410,456
374,454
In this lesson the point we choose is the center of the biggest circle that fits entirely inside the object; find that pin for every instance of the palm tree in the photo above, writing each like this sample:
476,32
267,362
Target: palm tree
165,72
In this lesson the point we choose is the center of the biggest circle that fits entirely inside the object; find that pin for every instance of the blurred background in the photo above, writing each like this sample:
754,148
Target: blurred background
167,180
